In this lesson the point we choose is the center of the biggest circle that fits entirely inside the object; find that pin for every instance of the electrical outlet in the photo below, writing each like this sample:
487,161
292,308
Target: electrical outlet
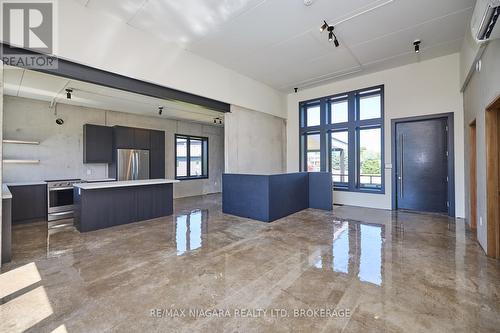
480,221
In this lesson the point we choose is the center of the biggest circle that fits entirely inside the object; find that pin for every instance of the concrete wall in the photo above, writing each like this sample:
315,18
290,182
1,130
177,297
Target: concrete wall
424,88
483,88
60,149
255,142
90,37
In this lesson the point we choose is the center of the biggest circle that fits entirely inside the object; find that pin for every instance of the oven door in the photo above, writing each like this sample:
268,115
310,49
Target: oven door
60,199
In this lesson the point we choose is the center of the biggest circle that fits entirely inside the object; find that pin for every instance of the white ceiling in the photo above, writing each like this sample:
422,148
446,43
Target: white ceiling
52,89
278,41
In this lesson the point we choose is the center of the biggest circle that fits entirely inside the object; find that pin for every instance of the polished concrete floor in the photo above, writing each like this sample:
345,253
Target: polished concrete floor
350,270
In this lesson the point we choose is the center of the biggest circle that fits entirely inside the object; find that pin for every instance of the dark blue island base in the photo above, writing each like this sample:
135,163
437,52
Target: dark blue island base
270,197
103,207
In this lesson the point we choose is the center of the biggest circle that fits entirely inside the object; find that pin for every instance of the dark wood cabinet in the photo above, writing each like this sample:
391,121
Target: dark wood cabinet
141,138
131,138
157,154
107,207
123,137
29,203
97,144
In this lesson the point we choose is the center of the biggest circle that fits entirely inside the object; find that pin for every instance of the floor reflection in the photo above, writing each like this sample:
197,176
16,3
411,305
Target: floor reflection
190,230
370,261
341,249
356,250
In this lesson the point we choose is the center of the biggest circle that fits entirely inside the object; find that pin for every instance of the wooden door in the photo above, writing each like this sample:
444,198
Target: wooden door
473,176
493,181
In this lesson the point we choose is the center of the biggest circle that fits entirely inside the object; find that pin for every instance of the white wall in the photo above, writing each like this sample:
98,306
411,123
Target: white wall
89,37
428,87
483,89
255,142
61,147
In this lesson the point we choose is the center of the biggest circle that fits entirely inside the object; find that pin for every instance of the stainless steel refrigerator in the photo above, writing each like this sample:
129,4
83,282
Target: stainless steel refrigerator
133,164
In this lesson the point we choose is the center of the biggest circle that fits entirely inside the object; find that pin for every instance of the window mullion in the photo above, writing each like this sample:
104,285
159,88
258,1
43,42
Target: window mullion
188,157
323,136
352,141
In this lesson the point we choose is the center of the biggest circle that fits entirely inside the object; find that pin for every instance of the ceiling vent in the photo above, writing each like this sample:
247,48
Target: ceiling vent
484,19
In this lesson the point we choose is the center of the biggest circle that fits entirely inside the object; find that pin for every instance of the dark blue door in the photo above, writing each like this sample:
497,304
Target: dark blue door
422,165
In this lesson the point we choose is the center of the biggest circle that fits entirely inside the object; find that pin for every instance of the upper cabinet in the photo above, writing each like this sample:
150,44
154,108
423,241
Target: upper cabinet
157,154
97,144
124,137
141,138
131,138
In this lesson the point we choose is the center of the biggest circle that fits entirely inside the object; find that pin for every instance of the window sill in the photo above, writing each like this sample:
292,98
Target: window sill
360,190
191,178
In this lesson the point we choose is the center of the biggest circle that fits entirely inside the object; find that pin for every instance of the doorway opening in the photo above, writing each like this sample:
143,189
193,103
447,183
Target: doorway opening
473,176
493,179
423,170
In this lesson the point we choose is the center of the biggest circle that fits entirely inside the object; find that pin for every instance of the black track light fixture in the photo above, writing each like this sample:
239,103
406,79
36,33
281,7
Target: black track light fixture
160,110
331,36
323,27
68,93
417,45
336,41
218,121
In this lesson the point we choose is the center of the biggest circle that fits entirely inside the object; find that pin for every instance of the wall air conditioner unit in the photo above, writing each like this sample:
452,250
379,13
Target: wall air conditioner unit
484,20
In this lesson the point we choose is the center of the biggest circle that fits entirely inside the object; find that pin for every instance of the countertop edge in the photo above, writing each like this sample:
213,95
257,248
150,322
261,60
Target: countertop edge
115,184
5,192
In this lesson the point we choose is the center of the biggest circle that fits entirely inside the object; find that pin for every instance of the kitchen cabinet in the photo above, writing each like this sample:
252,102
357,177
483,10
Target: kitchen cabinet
104,206
141,138
157,154
29,203
131,138
123,137
97,144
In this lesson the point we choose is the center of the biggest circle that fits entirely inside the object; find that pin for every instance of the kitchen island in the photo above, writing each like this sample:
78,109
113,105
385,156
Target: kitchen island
107,204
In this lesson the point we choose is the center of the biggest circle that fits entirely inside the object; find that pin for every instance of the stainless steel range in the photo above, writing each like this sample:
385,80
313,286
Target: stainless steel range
60,199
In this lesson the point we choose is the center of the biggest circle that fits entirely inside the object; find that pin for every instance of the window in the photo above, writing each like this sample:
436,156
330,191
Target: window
340,157
313,116
313,153
340,111
370,158
191,157
343,134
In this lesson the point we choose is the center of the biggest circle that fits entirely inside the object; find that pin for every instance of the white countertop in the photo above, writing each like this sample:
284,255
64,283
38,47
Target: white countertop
5,192
99,180
124,183
26,183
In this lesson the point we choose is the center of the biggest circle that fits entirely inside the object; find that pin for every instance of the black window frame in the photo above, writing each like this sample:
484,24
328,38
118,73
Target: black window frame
204,150
353,127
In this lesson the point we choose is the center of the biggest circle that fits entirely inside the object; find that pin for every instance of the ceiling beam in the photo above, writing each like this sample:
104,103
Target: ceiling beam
74,71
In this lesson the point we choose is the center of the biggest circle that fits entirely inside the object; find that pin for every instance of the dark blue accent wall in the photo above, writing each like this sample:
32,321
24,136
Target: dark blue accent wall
271,197
246,196
288,194
320,190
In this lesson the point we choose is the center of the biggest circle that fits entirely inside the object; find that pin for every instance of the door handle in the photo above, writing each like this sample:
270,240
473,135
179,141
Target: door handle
401,172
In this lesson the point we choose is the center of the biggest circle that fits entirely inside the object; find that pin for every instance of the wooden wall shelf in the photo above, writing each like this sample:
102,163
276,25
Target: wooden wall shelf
21,161
21,142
